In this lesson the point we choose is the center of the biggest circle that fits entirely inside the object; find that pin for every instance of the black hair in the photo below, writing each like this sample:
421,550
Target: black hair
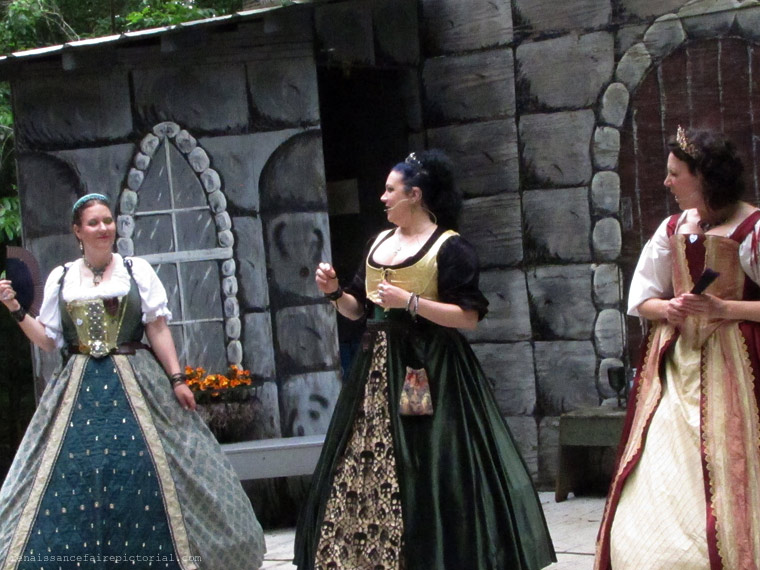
432,172
714,157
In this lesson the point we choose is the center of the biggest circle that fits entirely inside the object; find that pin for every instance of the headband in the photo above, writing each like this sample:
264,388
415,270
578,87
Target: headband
686,145
86,198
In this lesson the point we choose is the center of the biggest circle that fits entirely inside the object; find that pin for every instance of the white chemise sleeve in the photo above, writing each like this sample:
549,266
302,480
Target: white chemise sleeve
154,302
749,259
50,313
653,277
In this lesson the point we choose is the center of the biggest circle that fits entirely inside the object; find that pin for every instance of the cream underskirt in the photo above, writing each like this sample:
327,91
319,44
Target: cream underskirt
660,521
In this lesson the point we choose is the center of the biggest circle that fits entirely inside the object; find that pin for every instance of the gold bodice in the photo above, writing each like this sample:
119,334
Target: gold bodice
97,327
420,277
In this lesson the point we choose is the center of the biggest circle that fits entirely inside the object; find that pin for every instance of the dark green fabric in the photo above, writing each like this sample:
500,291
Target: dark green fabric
103,503
467,499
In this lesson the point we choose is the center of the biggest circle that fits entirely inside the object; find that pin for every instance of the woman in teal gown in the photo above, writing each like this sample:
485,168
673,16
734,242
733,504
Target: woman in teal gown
419,470
115,467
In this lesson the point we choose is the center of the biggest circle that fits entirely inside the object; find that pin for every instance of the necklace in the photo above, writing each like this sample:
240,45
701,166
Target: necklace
97,272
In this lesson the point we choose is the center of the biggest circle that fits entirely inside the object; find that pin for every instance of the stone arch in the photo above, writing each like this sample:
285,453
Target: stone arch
215,204
702,20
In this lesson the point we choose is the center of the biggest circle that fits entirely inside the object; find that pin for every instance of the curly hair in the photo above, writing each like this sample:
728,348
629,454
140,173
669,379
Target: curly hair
432,172
714,157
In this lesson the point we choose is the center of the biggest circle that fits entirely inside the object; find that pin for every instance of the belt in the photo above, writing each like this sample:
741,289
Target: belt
123,348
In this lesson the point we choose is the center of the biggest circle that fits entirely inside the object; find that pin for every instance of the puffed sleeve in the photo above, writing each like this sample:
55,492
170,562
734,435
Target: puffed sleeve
154,301
458,275
653,277
50,312
749,254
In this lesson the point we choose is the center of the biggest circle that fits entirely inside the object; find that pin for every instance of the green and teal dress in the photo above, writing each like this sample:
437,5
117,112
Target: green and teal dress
112,472
436,492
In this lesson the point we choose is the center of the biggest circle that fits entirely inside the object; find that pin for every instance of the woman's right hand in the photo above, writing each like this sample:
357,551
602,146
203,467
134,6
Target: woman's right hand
675,311
326,278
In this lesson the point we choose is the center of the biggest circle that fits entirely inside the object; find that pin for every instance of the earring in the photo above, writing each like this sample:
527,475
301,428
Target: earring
81,246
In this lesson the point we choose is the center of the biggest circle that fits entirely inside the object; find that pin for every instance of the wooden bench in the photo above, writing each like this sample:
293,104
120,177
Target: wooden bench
580,432
280,457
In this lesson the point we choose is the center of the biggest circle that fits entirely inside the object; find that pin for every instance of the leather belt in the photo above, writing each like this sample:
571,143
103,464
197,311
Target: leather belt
123,348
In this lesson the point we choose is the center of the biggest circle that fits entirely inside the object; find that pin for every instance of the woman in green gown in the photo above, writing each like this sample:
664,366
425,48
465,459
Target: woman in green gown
115,467
419,470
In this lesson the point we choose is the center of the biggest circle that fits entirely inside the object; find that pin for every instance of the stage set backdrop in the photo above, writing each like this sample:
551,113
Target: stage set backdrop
240,151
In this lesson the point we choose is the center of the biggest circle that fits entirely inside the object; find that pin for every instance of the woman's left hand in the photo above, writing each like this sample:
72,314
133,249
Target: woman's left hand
704,305
392,297
185,396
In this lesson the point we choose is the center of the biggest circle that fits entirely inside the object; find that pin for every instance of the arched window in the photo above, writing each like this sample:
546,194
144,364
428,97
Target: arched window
173,214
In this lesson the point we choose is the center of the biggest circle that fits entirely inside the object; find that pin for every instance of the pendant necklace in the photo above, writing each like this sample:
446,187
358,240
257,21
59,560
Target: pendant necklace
97,272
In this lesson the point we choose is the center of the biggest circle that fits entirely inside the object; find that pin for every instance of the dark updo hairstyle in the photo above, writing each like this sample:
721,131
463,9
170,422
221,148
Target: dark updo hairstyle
85,202
713,157
432,172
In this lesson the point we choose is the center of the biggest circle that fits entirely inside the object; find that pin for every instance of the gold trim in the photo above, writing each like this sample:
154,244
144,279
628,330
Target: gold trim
156,450
58,432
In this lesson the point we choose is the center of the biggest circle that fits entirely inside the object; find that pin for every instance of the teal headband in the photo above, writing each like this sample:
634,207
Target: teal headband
87,198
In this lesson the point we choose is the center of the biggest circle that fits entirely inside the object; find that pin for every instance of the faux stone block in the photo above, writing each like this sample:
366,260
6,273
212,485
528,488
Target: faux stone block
607,239
45,179
665,35
548,452
561,300
396,28
508,317
469,87
296,243
646,9
633,66
605,192
608,289
345,32
485,155
449,27
606,147
284,91
239,159
54,110
493,226
101,169
198,97
293,177
251,257
615,104
608,333
557,225
556,148
509,368
258,345
307,402
538,16
566,372
550,69
306,339
525,433
708,18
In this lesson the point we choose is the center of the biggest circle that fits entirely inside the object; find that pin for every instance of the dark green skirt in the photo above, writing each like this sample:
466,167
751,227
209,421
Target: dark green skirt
447,491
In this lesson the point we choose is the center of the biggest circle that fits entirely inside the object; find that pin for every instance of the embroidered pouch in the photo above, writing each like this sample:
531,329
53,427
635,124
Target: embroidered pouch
415,399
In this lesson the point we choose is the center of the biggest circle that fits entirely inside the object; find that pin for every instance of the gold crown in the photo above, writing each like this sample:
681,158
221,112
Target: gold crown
686,145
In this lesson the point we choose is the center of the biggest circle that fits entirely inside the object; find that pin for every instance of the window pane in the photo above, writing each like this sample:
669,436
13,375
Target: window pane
188,191
167,273
153,234
202,290
205,346
154,192
195,230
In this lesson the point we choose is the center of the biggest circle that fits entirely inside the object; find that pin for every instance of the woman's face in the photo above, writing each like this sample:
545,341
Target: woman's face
685,186
396,199
98,229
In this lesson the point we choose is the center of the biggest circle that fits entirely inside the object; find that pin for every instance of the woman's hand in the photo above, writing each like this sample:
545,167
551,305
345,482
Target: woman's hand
392,297
185,396
704,305
8,295
326,278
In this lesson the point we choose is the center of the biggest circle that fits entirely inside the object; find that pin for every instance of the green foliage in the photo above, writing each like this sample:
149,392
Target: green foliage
28,24
157,13
10,218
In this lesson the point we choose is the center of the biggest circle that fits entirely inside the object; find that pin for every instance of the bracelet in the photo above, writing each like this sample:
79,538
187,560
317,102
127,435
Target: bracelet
19,314
177,378
413,304
335,295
